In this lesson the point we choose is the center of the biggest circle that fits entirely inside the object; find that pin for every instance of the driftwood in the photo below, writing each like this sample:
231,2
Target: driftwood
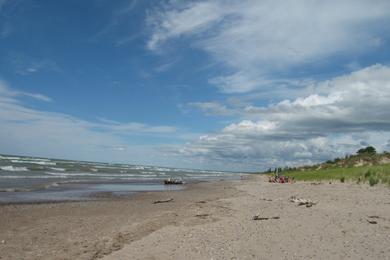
372,221
202,215
162,201
257,217
300,201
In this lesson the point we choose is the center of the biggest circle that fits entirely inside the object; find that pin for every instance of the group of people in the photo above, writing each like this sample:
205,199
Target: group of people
277,178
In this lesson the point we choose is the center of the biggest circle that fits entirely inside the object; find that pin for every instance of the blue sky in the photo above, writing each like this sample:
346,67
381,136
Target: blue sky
241,85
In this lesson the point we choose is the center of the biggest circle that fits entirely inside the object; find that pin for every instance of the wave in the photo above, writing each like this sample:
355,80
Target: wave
97,175
15,190
58,169
39,162
158,169
54,184
137,167
28,177
109,167
71,174
9,157
11,168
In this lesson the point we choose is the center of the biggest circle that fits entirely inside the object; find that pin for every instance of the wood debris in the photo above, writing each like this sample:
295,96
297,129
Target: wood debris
372,221
202,215
257,217
162,201
300,201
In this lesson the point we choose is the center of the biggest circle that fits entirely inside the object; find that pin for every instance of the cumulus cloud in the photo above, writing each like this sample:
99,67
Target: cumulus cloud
255,39
344,113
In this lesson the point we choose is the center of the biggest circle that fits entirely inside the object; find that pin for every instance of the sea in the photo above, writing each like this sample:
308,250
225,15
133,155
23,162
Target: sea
31,179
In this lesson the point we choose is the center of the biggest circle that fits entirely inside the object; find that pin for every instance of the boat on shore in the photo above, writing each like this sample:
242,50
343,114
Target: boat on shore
171,181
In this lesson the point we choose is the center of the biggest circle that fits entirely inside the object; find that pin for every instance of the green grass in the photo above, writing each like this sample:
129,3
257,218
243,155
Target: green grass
370,174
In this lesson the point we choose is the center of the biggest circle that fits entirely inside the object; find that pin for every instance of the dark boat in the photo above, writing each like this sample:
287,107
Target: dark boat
173,181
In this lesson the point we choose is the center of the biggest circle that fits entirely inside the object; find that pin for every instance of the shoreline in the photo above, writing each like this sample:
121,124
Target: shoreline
206,220
34,230
91,191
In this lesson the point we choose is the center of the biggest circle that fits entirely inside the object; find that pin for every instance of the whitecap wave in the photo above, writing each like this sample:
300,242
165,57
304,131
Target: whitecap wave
63,174
58,169
11,168
28,177
137,167
34,162
54,184
10,157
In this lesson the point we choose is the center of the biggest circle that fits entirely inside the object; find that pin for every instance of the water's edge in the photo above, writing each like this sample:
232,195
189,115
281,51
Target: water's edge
31,179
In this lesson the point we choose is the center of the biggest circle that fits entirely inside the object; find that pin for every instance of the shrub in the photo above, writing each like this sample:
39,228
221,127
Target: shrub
373,181
367,174
342,179
368,150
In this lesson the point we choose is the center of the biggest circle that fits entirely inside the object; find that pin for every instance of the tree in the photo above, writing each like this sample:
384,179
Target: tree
368,150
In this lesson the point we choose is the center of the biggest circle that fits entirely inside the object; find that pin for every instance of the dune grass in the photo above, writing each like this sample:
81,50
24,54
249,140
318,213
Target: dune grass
370,174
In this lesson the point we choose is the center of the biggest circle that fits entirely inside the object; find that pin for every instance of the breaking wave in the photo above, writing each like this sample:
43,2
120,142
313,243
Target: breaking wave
11,168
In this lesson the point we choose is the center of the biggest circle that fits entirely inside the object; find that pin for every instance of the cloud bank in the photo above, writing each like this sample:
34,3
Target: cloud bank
342,115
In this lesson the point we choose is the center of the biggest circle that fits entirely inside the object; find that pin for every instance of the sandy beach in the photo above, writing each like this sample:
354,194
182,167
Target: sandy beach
207,221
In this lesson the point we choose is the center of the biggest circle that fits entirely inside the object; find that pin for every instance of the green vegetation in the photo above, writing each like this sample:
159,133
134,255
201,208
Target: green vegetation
366,166
368,150
372,174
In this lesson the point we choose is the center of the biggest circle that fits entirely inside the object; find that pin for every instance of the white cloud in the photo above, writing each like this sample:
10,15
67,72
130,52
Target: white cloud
178,20
6,92
29,131
212,108
257,38
342,114
132,127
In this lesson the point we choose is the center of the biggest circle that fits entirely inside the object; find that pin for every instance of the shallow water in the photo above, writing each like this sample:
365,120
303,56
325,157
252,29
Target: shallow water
25,179
85,191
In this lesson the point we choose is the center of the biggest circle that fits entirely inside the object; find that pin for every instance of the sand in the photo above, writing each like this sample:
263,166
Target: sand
207,221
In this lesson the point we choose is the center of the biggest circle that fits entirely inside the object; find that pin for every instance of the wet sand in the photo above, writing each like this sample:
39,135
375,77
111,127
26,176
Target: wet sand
207,221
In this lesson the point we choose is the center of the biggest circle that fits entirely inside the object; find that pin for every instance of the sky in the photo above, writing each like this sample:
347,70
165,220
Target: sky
240,85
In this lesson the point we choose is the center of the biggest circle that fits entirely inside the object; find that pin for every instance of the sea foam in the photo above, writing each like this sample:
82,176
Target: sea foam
34,162
11,168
